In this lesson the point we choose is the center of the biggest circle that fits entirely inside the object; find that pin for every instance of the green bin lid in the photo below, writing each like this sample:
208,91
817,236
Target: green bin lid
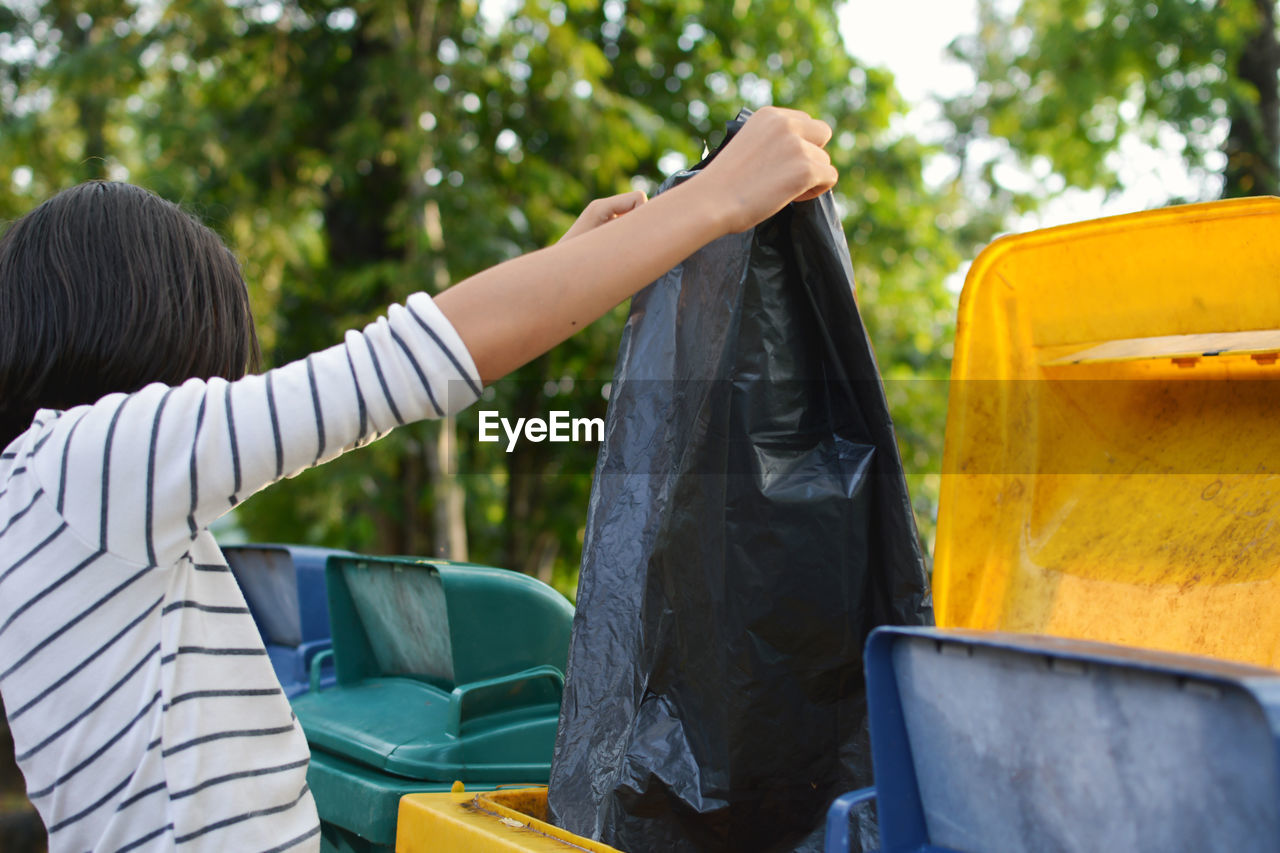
445,671
501,730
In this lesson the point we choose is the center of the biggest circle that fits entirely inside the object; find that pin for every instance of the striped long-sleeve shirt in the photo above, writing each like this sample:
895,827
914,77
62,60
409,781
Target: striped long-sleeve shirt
144,711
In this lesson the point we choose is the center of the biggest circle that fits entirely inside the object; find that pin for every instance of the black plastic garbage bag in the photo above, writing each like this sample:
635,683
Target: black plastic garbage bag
749,525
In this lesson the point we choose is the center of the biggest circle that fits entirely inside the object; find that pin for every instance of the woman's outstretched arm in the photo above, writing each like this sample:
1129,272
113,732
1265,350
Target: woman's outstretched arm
514,312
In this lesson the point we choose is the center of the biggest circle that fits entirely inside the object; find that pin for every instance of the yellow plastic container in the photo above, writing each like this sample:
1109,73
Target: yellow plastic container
488,822
1112,461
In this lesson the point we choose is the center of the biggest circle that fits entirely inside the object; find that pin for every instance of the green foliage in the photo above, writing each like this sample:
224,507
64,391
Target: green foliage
1063,81
355,152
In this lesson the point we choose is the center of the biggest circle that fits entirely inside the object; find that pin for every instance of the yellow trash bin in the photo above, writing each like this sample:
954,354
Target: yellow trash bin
506,821
1112,459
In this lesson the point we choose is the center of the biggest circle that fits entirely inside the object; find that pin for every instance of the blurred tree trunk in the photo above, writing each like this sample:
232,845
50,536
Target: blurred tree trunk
526,487
449,523
1253,142
360,234
91,103
419,28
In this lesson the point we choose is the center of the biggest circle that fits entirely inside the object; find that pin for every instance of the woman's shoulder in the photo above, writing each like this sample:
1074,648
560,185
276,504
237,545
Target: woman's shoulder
28,442
18,482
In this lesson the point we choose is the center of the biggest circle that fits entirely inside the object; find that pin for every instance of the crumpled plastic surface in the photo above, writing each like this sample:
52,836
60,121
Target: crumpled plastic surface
748,526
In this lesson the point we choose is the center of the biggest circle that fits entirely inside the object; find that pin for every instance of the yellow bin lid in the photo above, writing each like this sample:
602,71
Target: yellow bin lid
1112,460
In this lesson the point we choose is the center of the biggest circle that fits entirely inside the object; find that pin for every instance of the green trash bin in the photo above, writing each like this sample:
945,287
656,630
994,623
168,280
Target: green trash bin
445,672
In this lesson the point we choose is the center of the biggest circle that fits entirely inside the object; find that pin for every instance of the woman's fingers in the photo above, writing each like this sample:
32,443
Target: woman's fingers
823,175
808,128
605,209
602,210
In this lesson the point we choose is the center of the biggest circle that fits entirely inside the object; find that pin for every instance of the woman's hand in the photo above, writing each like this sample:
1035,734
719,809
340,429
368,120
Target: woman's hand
603,210
776,158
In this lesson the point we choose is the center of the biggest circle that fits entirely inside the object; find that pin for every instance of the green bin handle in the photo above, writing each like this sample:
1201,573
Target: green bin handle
317,663
468,694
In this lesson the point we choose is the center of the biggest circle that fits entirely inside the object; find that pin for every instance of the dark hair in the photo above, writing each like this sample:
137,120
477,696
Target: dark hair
107,287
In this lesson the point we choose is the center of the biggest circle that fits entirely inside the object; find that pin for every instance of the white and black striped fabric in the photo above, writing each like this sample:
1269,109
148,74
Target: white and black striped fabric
144,710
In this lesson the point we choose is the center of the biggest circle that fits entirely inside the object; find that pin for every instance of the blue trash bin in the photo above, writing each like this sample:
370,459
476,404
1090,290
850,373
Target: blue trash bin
284,587
989,741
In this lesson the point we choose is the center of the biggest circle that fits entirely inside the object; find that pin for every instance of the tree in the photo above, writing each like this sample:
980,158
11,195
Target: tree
1064,81
354,152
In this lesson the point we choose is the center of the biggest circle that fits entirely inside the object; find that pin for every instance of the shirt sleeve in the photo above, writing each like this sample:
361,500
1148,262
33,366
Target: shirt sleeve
140,475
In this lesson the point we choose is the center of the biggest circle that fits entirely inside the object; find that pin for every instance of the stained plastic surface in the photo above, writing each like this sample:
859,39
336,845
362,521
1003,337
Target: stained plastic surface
445,671
504,821
1112,463
284,588
748,525
992,741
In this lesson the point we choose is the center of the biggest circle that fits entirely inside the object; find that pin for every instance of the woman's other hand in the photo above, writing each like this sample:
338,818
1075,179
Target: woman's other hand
603,210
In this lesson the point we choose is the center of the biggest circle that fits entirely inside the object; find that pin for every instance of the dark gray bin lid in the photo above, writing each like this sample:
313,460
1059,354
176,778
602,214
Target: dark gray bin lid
1020,743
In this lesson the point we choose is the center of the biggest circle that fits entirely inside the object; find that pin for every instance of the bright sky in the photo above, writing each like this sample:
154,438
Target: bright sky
909,37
